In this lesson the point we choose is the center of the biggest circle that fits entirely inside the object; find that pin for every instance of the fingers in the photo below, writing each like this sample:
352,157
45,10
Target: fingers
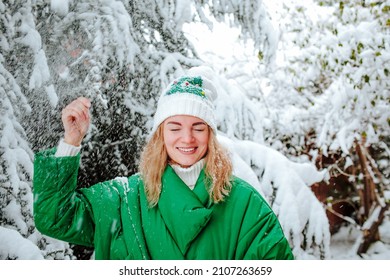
81,104
77,110
85,101
76,120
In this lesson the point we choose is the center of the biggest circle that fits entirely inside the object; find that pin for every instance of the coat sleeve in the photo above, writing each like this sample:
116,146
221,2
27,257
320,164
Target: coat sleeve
261,236
60,211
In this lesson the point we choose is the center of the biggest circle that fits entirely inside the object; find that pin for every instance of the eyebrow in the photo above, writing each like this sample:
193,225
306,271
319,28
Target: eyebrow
194,124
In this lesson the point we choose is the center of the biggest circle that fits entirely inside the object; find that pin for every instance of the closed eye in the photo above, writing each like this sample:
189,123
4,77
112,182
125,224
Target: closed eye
199,127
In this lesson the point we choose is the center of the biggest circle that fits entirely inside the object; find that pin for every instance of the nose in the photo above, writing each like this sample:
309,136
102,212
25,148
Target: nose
187,136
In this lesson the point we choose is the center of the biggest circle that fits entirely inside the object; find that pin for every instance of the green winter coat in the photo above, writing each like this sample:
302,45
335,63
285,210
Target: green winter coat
115,219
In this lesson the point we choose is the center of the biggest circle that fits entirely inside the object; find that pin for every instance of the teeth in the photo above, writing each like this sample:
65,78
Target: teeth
186,149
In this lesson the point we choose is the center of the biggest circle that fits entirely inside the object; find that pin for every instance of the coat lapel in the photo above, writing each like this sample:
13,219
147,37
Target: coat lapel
185,212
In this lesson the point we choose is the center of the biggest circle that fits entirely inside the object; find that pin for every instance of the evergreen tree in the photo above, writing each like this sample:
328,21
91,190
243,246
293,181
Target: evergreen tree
21,70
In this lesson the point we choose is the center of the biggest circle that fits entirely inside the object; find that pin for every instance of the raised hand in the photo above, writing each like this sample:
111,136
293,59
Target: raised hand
76,120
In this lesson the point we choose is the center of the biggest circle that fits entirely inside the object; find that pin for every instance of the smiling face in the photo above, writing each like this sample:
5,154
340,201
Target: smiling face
186,139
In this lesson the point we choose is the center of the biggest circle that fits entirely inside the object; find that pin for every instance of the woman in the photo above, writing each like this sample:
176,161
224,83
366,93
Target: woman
183,204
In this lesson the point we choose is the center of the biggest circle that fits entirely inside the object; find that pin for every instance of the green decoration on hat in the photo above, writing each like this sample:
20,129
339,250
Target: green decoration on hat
187,85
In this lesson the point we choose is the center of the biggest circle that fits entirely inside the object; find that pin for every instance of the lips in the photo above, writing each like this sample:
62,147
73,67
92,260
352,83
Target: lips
186,150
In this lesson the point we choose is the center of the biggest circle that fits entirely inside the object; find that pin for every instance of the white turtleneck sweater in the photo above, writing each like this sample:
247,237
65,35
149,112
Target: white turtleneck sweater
188,175
66,150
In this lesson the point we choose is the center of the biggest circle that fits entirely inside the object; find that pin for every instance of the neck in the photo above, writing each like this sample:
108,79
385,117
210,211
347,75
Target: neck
189,175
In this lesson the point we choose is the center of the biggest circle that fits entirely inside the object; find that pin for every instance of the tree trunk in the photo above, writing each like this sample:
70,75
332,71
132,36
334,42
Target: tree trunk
371,203
368,194
371,234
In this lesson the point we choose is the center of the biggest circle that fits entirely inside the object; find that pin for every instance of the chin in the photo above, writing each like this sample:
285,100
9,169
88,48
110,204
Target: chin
186,164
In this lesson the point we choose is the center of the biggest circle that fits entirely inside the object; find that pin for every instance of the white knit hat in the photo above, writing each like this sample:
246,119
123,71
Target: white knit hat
191,95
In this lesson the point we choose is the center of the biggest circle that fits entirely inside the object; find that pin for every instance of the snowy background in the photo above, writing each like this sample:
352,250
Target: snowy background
303,105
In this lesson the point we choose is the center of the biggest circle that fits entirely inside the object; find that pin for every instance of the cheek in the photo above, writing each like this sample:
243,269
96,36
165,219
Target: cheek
204,139
165,136
169,139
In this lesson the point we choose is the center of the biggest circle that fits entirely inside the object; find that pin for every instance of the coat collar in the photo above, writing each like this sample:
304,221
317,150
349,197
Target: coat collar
184,212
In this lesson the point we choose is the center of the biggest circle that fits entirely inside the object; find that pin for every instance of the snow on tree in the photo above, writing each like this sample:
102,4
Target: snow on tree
344,54
336,68
121,54
16,161
17,228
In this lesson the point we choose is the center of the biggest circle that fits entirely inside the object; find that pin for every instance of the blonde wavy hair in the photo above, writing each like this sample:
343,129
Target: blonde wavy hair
154,160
